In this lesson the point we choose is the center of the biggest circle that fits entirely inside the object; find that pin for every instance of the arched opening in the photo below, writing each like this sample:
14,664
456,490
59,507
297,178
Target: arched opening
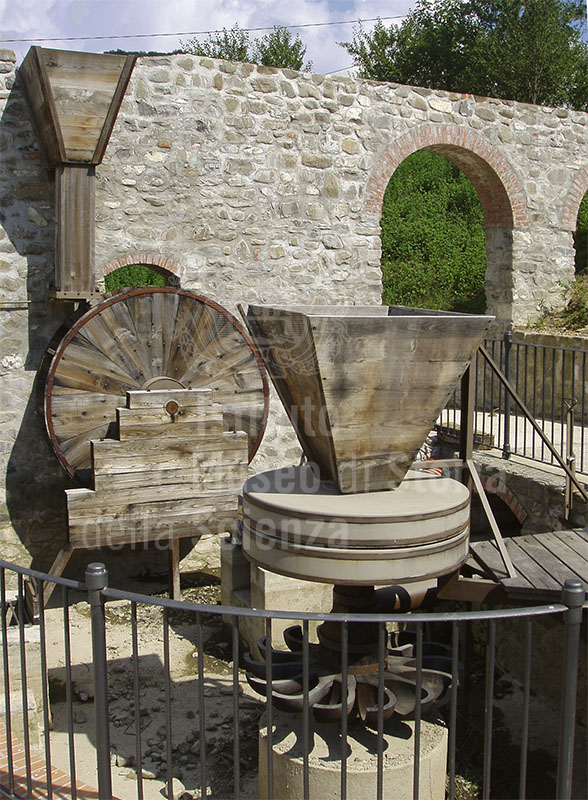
132,275
501,197
433,237
581,240
508,522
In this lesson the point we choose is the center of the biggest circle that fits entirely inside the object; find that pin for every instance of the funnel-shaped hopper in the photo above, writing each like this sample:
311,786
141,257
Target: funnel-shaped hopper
74,98
364,385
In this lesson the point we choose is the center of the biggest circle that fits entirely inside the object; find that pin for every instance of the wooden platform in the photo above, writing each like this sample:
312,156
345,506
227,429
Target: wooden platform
542,562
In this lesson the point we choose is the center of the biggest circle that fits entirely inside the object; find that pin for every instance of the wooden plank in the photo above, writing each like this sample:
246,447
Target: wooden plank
133,531
86,369
230,472
166,427
578,539
157,398
87,96
154,521
37,86
546,559
526,566
174,570
73,415
75,228
486,553
85,502
115,343
561,544
111,454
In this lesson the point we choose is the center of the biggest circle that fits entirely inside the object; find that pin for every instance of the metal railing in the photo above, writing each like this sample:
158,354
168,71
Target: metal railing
477,752
552,382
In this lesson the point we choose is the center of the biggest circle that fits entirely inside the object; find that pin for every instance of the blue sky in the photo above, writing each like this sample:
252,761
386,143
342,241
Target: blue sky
34,19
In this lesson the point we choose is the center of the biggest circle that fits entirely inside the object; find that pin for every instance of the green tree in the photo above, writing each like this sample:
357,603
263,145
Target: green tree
231,45
433,238
527,51
275,49
278,49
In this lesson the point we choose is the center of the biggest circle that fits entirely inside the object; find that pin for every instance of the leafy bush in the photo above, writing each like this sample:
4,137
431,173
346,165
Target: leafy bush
433,237
581,238
133,275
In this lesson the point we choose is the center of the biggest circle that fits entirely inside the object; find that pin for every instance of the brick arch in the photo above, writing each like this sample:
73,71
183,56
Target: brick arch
157,262
493,485
502,198
571,206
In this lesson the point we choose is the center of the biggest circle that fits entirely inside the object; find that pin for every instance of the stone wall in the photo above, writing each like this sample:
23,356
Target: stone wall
257,184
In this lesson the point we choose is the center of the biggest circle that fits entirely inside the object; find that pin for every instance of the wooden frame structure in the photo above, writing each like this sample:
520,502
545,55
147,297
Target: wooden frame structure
74,99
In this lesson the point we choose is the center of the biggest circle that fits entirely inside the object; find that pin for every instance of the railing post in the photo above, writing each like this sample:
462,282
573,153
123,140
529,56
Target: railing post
506,451
573,597
96,581
570,456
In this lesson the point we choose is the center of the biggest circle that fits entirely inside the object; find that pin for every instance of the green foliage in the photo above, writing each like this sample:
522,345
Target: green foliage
275,49
433,237
133,275
278,49
232,45
581,238
574,316
527,51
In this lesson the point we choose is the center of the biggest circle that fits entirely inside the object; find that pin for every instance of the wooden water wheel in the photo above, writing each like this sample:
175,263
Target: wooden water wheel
149,338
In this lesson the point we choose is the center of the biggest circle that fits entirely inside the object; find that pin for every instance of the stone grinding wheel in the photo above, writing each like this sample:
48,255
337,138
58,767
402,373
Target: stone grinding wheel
148,338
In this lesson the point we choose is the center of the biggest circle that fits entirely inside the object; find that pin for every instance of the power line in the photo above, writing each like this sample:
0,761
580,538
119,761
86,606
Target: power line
195,33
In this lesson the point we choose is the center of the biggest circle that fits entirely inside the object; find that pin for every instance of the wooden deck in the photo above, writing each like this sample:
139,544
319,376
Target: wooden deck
542,562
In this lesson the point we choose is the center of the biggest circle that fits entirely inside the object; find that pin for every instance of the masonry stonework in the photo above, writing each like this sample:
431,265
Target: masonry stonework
250,184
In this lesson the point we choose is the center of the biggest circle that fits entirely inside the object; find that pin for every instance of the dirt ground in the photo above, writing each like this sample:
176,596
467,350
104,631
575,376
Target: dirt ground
200,583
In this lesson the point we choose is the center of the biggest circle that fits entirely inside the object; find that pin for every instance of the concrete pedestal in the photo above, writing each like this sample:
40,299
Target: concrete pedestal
244,585
325,760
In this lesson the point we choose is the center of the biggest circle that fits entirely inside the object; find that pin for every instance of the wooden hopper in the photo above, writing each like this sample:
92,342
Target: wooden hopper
74,99
364,385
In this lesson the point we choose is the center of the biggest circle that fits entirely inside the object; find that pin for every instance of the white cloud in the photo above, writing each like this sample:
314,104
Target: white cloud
70,18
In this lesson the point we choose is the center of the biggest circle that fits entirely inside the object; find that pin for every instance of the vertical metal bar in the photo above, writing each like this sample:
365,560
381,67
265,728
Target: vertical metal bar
517,411
552,397
6,670
525,395
492,406
562,426
269,707
168,709
573,595
45,690
381,665
489,705
543,415
453,707
506,451
526,698
137,701
236,748
24,683
570,458
97,580
344,700
535,351
583,412
466,432
69,690
305,710
418,712
201,705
